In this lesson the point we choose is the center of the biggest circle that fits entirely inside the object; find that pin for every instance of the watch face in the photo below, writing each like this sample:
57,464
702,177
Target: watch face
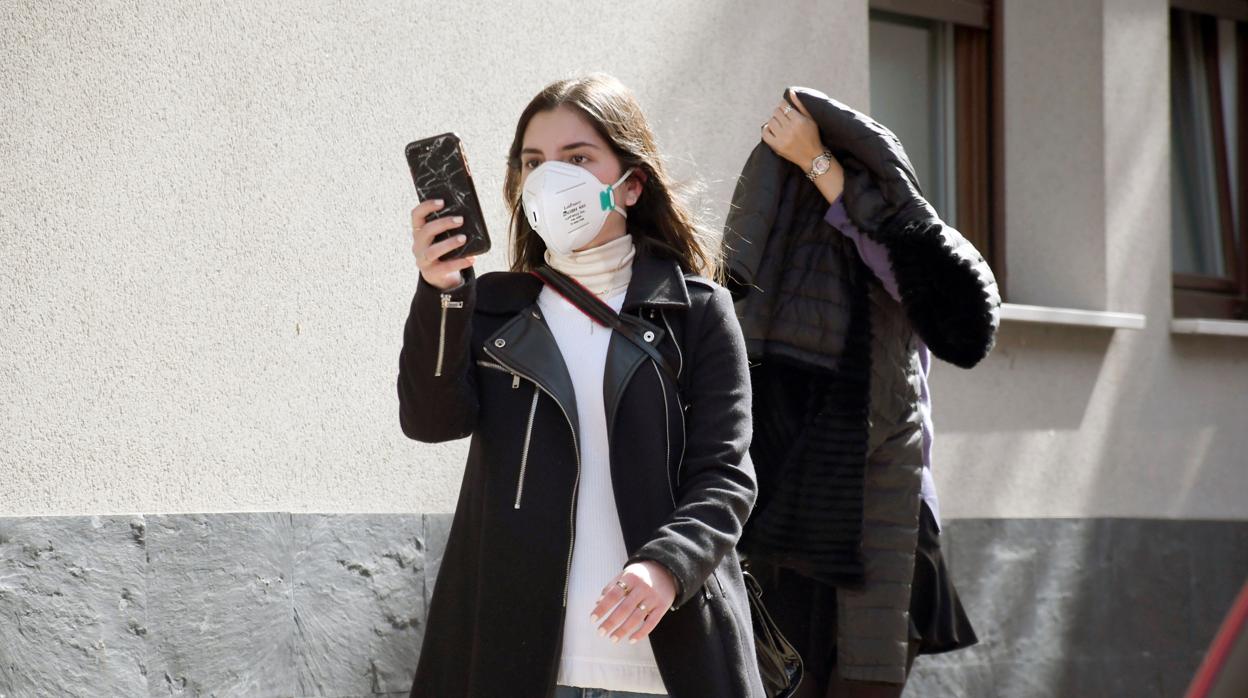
821,164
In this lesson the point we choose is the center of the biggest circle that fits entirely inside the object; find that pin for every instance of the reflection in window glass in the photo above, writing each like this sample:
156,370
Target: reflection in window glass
1196,217
1228,74
912,94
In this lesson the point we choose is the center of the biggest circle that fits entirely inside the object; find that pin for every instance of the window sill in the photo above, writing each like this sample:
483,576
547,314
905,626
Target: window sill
1207,326
1071,317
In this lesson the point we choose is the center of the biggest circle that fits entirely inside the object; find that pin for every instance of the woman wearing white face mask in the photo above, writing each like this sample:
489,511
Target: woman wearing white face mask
592,549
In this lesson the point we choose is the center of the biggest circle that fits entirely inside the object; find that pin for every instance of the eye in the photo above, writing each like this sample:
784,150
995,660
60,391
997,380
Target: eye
531,163
578,159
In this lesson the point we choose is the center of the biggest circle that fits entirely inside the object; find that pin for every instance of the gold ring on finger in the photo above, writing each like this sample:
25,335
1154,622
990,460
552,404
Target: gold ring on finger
642,606
787,109
620,583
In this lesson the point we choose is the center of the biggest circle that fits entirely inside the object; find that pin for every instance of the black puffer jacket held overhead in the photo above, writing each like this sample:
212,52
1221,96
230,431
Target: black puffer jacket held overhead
949,293
479,361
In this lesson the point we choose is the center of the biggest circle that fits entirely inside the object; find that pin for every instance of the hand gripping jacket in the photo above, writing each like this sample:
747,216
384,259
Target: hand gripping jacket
949,293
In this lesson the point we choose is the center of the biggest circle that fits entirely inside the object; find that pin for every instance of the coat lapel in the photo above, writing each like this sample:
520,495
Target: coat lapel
656,283
526,345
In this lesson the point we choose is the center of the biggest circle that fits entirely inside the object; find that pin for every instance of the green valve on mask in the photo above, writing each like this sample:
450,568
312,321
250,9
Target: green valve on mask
604,200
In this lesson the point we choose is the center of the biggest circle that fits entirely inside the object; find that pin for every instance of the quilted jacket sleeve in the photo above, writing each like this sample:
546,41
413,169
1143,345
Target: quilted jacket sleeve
947,288
755,202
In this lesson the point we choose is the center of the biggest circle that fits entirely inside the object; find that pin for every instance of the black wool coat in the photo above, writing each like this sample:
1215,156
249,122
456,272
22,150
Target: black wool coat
479,361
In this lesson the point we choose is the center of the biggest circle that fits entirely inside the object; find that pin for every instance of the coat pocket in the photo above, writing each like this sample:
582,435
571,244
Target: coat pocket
515,377
528,427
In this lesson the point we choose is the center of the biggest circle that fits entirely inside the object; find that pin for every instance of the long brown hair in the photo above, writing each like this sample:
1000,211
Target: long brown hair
660,221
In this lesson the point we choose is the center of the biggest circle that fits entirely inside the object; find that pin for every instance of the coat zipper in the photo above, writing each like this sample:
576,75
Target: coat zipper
446,303
667,435
680,406
680,357
491,364
528,430
515,377
684,438
524,453
576,450
706,588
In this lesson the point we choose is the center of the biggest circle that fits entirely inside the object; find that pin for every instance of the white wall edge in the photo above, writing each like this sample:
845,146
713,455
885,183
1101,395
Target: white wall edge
1070,316
1223,328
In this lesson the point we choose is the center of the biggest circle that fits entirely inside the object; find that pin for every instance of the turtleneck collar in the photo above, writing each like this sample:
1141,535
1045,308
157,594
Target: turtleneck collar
605,269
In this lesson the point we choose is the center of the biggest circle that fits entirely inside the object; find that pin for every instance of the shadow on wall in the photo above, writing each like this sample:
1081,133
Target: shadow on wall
1085,607
1036,378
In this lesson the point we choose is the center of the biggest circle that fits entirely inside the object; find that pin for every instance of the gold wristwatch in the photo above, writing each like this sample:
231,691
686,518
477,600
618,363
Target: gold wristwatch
820,165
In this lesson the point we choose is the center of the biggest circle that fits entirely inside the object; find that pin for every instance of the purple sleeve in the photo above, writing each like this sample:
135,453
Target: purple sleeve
873,254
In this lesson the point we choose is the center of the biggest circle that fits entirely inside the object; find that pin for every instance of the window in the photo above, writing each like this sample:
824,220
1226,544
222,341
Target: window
1209,135
933,83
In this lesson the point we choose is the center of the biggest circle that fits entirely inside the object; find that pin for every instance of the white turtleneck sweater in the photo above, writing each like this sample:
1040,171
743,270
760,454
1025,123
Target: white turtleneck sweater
588,659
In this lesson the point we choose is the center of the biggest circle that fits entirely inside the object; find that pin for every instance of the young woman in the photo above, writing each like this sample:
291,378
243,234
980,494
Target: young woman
593,541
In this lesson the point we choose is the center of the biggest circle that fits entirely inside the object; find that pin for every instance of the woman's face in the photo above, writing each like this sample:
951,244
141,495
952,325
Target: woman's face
564,134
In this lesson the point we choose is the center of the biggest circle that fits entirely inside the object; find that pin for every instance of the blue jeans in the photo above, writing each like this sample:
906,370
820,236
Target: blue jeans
575,692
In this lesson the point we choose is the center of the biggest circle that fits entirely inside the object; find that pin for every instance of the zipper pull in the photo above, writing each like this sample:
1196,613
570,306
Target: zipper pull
448,303
515,381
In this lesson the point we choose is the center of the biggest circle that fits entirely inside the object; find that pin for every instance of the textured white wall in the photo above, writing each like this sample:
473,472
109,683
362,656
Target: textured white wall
204,263
1054,141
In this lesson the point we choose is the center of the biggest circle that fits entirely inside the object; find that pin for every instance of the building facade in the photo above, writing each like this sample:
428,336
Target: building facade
205,268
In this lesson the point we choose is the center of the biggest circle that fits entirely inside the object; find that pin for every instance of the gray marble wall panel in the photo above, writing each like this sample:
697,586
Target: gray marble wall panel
230,604
275,604
359,606
437,528
1085,607
73,606
219,604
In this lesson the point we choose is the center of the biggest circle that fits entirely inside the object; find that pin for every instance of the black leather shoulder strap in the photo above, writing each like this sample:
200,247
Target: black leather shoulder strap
597,309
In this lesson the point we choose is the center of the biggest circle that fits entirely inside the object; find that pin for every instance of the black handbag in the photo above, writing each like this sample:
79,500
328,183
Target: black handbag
779,664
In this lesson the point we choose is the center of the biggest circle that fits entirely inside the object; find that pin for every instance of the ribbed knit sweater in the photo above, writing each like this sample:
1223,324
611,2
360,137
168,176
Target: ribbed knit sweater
588,659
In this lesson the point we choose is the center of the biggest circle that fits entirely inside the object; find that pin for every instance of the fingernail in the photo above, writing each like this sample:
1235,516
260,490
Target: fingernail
593,617
459,219
616,640
632,640
602,631
461,238
438,202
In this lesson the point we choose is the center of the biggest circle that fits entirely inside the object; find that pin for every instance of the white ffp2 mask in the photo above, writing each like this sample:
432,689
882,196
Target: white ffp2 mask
567,205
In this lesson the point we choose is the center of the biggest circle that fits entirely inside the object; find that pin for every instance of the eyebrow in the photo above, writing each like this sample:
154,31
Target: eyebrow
570,146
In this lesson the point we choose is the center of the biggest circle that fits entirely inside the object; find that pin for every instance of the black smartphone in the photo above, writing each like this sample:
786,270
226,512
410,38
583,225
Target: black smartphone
440,171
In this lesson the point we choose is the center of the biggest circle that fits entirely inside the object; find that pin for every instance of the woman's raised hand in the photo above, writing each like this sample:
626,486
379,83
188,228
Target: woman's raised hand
640,595
442,274
794,136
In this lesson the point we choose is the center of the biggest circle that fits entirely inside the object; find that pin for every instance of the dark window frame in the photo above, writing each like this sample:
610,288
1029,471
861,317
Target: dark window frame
978,117
1226,297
